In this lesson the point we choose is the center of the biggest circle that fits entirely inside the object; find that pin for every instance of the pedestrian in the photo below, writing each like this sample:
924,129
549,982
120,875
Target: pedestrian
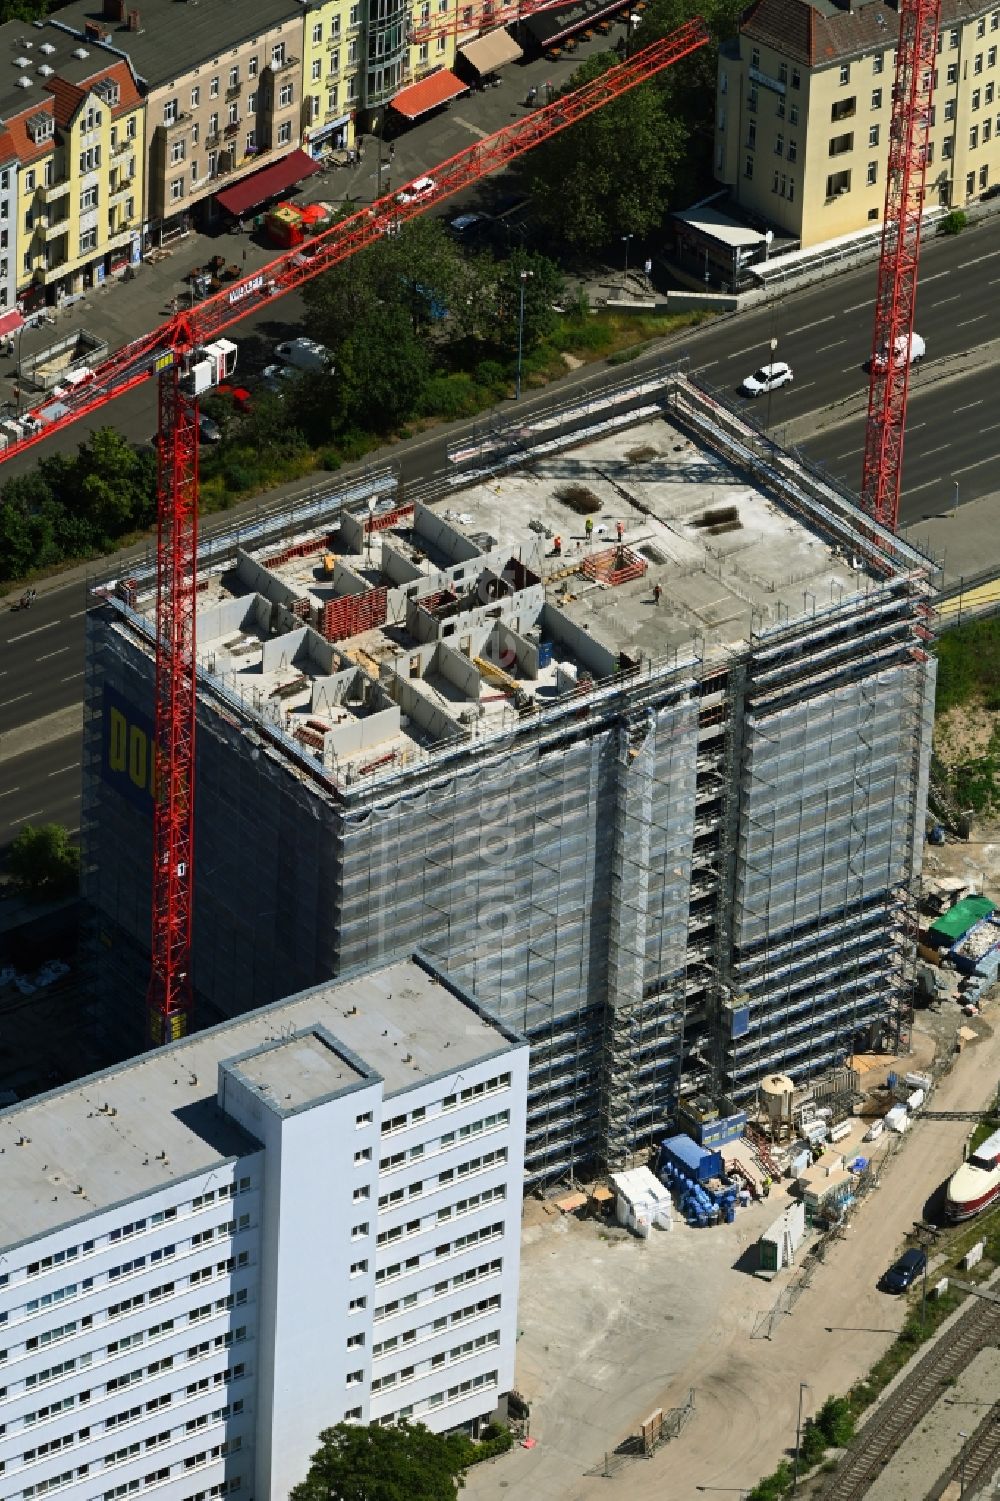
620,528
557,547
588,527
241,227
392,150
648,268
173,304
244,257
657,591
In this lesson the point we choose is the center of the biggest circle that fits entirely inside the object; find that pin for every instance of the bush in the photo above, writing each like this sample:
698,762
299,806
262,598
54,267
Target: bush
329,459
773,1487
835,1422
954,223
449,396
43,862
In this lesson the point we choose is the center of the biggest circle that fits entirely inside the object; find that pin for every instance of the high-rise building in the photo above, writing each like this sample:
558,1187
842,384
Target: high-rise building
629,730
308,1216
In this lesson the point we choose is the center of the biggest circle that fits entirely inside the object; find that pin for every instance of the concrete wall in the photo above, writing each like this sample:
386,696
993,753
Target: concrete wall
431,718
304,648
430,530
355,735
457,668
225,619
588,652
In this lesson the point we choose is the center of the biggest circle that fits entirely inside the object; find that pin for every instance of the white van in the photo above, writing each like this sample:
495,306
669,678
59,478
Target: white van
304,354
917,351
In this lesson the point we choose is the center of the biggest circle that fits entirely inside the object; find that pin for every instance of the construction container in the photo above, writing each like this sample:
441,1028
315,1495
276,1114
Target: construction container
688,1158
545,651
642,1201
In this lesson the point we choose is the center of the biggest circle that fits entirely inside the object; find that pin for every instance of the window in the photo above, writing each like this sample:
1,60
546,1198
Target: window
837,184
285,95
331,98
234,77
317,69
970,184
946,147
234,114
358,1268
177,151
356,1305
991,58
358,1232
952,74
195,97
752,136
793,150
845,73
441,43
88,199
351,86
976,97
984,177
354,1341
361,1193
253,67
213,88
317,33
977,66
252,103
251,142
844,109
995,21
278,55
841,144
352,1415
90,159
177,189
987,130
872,174
213,125
783,73
793,114
878,62
953,37
973,137
170,112
355,1378
876,98
755,58
981,26
949,109
779,145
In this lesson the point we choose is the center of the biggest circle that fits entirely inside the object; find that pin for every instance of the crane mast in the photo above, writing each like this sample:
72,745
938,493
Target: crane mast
178,353
895,303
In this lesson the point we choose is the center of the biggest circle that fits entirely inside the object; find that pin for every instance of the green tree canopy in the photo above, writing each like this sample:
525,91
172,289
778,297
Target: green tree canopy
401,1463
43,862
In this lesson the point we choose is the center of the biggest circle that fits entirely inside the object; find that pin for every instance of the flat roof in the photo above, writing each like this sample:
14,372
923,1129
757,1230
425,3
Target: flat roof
154,1119
173,39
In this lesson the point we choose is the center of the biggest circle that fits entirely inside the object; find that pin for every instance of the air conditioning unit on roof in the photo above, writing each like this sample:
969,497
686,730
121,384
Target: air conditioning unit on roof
24,83
80,52
46,71
22,62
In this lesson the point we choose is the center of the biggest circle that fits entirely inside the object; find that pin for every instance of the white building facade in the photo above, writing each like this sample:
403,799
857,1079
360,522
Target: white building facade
320,1240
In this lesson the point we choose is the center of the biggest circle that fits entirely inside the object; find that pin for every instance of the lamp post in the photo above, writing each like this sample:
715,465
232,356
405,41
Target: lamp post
520,333
961,1467
625,240
767,424
803,1387
17,378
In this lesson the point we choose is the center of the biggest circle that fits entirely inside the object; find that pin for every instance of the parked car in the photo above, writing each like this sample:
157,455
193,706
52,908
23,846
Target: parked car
767,378
904,1272
209,431
466,226
238,395
276,377
917,351
304,354
419,191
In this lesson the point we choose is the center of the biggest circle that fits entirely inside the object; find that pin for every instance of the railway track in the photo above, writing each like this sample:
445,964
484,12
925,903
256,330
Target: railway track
977,1462
944,1358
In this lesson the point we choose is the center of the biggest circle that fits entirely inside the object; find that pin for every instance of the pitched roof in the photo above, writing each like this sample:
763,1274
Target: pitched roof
69,93
817,34
25,148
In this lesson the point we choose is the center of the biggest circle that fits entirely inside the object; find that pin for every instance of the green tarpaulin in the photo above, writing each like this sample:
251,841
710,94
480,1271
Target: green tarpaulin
957,921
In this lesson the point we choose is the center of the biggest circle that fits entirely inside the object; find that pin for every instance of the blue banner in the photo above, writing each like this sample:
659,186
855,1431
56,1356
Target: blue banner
127,750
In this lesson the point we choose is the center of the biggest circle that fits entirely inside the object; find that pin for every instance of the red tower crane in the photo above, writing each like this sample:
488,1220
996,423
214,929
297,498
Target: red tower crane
895,304
187,356
485,15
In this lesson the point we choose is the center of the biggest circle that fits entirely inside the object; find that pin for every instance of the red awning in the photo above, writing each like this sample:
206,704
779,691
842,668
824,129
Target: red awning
267,183
10,322
418,98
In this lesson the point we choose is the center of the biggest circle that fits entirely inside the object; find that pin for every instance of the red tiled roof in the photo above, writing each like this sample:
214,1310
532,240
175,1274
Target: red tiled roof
812,35
69,96
17,128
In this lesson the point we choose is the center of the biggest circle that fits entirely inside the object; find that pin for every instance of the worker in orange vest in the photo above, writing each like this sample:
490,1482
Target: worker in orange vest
557,547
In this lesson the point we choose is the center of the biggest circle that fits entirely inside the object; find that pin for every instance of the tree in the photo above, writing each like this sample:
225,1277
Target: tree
401,1463
613,172
543,286
43,862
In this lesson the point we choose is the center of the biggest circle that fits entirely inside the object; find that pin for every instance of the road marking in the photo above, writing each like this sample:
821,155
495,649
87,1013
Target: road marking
973,320
72,677
804,385
24,817
978,260
10,792
64,769
17,700
38,629
928,452
993,282
468,125
912,489
738,354
859,305
57,653
824,347
925,279
978,464
851,369
76,614
942,302
970,404
853,453
804,327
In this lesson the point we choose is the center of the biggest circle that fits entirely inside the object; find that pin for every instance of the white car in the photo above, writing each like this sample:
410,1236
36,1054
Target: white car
767,378
418,191
917,351
275,376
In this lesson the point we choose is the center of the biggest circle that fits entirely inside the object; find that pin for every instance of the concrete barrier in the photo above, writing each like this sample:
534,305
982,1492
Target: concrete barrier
974,1256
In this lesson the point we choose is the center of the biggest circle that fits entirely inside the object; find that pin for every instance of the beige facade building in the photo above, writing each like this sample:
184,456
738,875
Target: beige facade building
803,111
222,86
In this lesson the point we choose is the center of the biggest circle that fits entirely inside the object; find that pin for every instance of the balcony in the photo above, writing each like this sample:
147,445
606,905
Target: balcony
332,41
180,122
283,67
234,91
232,130
48,227
122,190
213,139
51,192
129,144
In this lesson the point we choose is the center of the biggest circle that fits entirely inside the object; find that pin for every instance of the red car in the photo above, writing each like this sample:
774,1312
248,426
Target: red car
239,395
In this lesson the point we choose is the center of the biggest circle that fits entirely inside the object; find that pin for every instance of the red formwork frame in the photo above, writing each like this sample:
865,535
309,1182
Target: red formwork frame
164,353
895,305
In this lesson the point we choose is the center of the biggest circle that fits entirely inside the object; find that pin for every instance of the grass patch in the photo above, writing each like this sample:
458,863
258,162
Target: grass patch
969,665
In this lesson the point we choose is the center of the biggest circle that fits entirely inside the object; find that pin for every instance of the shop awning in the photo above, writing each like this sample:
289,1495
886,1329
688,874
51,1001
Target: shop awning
492,51
10,322
267,183
556,23
418,98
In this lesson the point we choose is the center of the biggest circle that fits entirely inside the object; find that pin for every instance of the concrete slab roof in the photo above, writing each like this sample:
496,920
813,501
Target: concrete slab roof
154,1120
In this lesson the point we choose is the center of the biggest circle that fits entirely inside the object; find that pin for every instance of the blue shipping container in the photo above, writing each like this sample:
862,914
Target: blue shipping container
688,1157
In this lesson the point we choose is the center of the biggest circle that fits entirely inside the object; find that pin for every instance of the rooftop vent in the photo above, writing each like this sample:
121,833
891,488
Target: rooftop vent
45,71
22,62
80,52
47,48
24,83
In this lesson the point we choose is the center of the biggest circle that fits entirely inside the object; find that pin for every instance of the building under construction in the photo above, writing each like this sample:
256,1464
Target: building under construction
625,721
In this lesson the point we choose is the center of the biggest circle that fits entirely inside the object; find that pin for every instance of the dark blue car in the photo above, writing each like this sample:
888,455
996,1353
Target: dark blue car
904,1272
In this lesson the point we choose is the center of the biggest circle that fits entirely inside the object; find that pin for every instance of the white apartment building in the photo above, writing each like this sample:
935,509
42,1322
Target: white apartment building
210,1253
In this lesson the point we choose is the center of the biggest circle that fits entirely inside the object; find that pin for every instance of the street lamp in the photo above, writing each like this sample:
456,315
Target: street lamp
520,333
961,1467
767,424
625,240
803,1387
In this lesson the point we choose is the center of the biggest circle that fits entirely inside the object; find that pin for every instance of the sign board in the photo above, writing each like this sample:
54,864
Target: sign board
127,750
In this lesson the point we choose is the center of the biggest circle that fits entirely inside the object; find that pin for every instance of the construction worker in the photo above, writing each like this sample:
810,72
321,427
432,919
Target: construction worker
557,547
588,527
620,527
657,591
765,1188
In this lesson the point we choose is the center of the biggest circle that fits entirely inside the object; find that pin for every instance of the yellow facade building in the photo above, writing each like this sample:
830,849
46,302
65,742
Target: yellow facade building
803,111
330,68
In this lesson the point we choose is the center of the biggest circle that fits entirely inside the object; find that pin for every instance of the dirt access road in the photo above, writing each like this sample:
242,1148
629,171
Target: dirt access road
609,1331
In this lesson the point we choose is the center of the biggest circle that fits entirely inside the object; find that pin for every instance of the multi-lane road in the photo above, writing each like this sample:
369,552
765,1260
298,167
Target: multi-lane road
824,332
